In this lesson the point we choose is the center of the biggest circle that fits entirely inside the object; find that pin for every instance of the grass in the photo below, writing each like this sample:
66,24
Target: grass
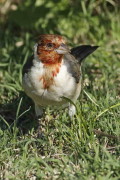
85,147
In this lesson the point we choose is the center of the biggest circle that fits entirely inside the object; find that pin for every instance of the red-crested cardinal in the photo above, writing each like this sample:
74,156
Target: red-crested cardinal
54,72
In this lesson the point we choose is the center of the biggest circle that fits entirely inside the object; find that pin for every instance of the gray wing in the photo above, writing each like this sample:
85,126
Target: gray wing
73,66
74,58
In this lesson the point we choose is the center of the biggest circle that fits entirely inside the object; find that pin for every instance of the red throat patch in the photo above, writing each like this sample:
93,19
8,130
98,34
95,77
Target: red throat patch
49,57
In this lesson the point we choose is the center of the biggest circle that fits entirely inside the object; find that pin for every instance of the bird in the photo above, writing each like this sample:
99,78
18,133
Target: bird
52,75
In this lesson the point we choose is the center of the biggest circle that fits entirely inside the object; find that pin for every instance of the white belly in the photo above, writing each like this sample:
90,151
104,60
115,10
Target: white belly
64,86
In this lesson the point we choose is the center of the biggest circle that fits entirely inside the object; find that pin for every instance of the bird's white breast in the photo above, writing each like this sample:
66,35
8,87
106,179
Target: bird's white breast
64,85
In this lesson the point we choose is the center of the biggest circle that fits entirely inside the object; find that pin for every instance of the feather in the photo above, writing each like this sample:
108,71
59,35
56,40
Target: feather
81,52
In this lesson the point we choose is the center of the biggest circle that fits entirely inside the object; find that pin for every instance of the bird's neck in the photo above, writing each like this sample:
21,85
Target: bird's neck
50,58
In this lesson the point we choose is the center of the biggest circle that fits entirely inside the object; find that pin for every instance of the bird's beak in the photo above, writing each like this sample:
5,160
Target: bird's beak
62,49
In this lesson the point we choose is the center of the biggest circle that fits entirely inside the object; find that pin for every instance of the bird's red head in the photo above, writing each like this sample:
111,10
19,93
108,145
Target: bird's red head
51,48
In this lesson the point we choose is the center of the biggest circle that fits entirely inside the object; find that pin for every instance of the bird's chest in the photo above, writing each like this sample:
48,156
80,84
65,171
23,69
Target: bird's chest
47,76
51,83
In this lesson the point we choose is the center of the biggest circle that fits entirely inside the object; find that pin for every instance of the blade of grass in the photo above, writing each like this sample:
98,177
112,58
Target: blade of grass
91,99
5,121
111,107
18,109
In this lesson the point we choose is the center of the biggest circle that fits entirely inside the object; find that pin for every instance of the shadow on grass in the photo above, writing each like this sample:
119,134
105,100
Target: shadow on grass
19,111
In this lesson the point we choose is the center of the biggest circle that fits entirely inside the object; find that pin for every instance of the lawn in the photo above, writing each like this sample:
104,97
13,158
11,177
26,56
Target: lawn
86,147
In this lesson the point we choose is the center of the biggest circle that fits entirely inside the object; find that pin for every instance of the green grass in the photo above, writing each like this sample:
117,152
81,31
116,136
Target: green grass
71,148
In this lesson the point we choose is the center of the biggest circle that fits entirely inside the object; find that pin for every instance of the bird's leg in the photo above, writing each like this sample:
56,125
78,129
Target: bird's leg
39,114
38,110
71,110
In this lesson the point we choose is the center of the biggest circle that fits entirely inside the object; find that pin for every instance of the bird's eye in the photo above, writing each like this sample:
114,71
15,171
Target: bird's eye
50,45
